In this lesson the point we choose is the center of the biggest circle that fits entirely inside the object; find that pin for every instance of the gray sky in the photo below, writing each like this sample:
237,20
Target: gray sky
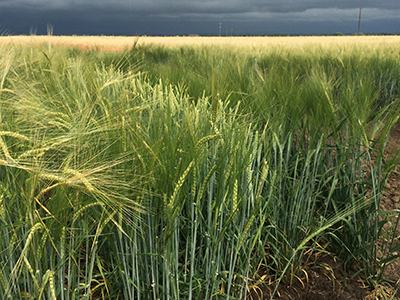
205,17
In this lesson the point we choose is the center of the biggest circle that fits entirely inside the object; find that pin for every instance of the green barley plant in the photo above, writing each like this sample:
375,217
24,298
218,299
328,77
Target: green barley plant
122,177
58,192
200,204
322,144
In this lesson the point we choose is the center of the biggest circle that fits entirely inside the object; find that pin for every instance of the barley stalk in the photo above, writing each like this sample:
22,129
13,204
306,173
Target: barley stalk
101,226
52,287
180,182
80,178
206,139
3,280
51,177
62,242
82,209
36,152
124,136
45,190
235,197
37,227
41,245
244,233
205,182
35,281
5,150
14,135
215,103
2,210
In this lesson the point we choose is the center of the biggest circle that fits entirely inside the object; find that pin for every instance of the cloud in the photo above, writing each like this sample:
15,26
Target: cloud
170,16
201,6
317,10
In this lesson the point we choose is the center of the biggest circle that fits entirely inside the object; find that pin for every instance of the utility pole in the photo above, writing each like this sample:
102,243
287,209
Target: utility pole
220,24
359,22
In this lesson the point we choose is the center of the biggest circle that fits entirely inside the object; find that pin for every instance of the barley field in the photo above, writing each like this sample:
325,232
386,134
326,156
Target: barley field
193,167
121,43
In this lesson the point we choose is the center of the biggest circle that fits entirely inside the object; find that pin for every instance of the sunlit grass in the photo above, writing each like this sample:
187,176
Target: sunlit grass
182,173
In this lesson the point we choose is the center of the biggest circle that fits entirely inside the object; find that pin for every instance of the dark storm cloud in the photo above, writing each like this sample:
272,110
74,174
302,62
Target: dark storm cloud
199,6
185,16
